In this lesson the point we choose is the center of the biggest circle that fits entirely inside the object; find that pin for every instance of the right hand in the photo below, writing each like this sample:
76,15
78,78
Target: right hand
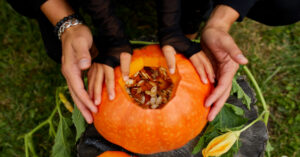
199,60
76,44
227,57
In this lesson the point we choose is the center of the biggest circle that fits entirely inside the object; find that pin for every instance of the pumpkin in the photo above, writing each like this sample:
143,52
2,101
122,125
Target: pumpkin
147,131
113,154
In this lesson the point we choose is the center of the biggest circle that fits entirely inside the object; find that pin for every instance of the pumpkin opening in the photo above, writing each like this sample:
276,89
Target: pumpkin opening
150,88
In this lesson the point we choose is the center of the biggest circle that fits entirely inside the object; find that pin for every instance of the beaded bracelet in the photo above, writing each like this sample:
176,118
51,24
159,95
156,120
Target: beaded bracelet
66,22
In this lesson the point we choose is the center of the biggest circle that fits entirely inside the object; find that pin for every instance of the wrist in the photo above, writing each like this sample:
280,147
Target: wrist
222,17
56,10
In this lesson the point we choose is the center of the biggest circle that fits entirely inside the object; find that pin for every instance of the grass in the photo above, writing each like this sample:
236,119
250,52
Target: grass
28,77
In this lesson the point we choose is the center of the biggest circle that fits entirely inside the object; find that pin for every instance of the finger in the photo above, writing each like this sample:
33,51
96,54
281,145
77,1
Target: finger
98,84
208,67
109,81
218,105
199,67
84,111
74,78
235,53
225,81
169,53
82,53
91,80
125,59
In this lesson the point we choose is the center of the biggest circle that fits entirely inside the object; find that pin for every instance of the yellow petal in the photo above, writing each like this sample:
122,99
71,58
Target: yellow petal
221,144
65,101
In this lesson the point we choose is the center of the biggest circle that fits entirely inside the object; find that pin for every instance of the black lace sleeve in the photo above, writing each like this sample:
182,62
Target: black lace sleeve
27,8
170,33
242,7
111,39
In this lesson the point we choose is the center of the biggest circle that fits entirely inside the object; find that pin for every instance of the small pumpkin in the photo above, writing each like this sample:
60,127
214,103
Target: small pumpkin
114,154
147,131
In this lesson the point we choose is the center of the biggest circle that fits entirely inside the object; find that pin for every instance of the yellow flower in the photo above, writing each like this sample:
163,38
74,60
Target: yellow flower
65,101
221,144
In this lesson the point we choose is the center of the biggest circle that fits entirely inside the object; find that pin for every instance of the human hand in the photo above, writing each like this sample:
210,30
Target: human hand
227,56
100,72
199,60
76,44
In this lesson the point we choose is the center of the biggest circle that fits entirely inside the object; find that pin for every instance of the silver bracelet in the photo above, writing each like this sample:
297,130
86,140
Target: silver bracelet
67,24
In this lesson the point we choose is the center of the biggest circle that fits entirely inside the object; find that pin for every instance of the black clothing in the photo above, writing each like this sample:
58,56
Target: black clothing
176,18
170,32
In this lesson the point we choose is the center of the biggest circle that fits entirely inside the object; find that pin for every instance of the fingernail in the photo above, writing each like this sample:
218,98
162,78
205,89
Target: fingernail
204,80
207,104
242,58
125,78
111,96
211,117
84,63
172,70
97,102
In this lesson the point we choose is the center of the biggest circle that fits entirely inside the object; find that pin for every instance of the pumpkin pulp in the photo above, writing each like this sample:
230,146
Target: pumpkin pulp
150,88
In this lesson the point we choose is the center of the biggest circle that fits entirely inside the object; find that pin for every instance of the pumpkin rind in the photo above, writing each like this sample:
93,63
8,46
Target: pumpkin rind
148,131
114,154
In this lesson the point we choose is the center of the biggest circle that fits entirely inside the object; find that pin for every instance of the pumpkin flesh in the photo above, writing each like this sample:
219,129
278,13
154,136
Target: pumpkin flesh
148,131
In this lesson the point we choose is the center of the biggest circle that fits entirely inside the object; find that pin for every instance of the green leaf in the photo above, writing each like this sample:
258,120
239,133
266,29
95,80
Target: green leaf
237,110
78,121
199,146
269,149
210,133
62,145
230,118
227,118
236,88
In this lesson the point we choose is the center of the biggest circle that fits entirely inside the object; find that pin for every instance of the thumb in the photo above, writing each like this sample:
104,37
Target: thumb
233,50
83,56
169,53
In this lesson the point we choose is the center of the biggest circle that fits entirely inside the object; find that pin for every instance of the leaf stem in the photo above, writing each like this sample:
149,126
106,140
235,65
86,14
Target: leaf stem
136,42
259,92
253,122
143,42
47,121
26,146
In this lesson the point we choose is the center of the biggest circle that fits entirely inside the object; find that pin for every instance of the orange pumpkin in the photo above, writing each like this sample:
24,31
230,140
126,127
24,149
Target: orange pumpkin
113,154
147,131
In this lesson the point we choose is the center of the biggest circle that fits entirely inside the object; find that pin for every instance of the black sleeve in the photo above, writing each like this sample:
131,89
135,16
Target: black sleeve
241,6
29,8
170,32
111,39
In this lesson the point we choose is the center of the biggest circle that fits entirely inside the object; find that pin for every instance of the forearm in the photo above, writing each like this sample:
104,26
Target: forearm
55,10
222,17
